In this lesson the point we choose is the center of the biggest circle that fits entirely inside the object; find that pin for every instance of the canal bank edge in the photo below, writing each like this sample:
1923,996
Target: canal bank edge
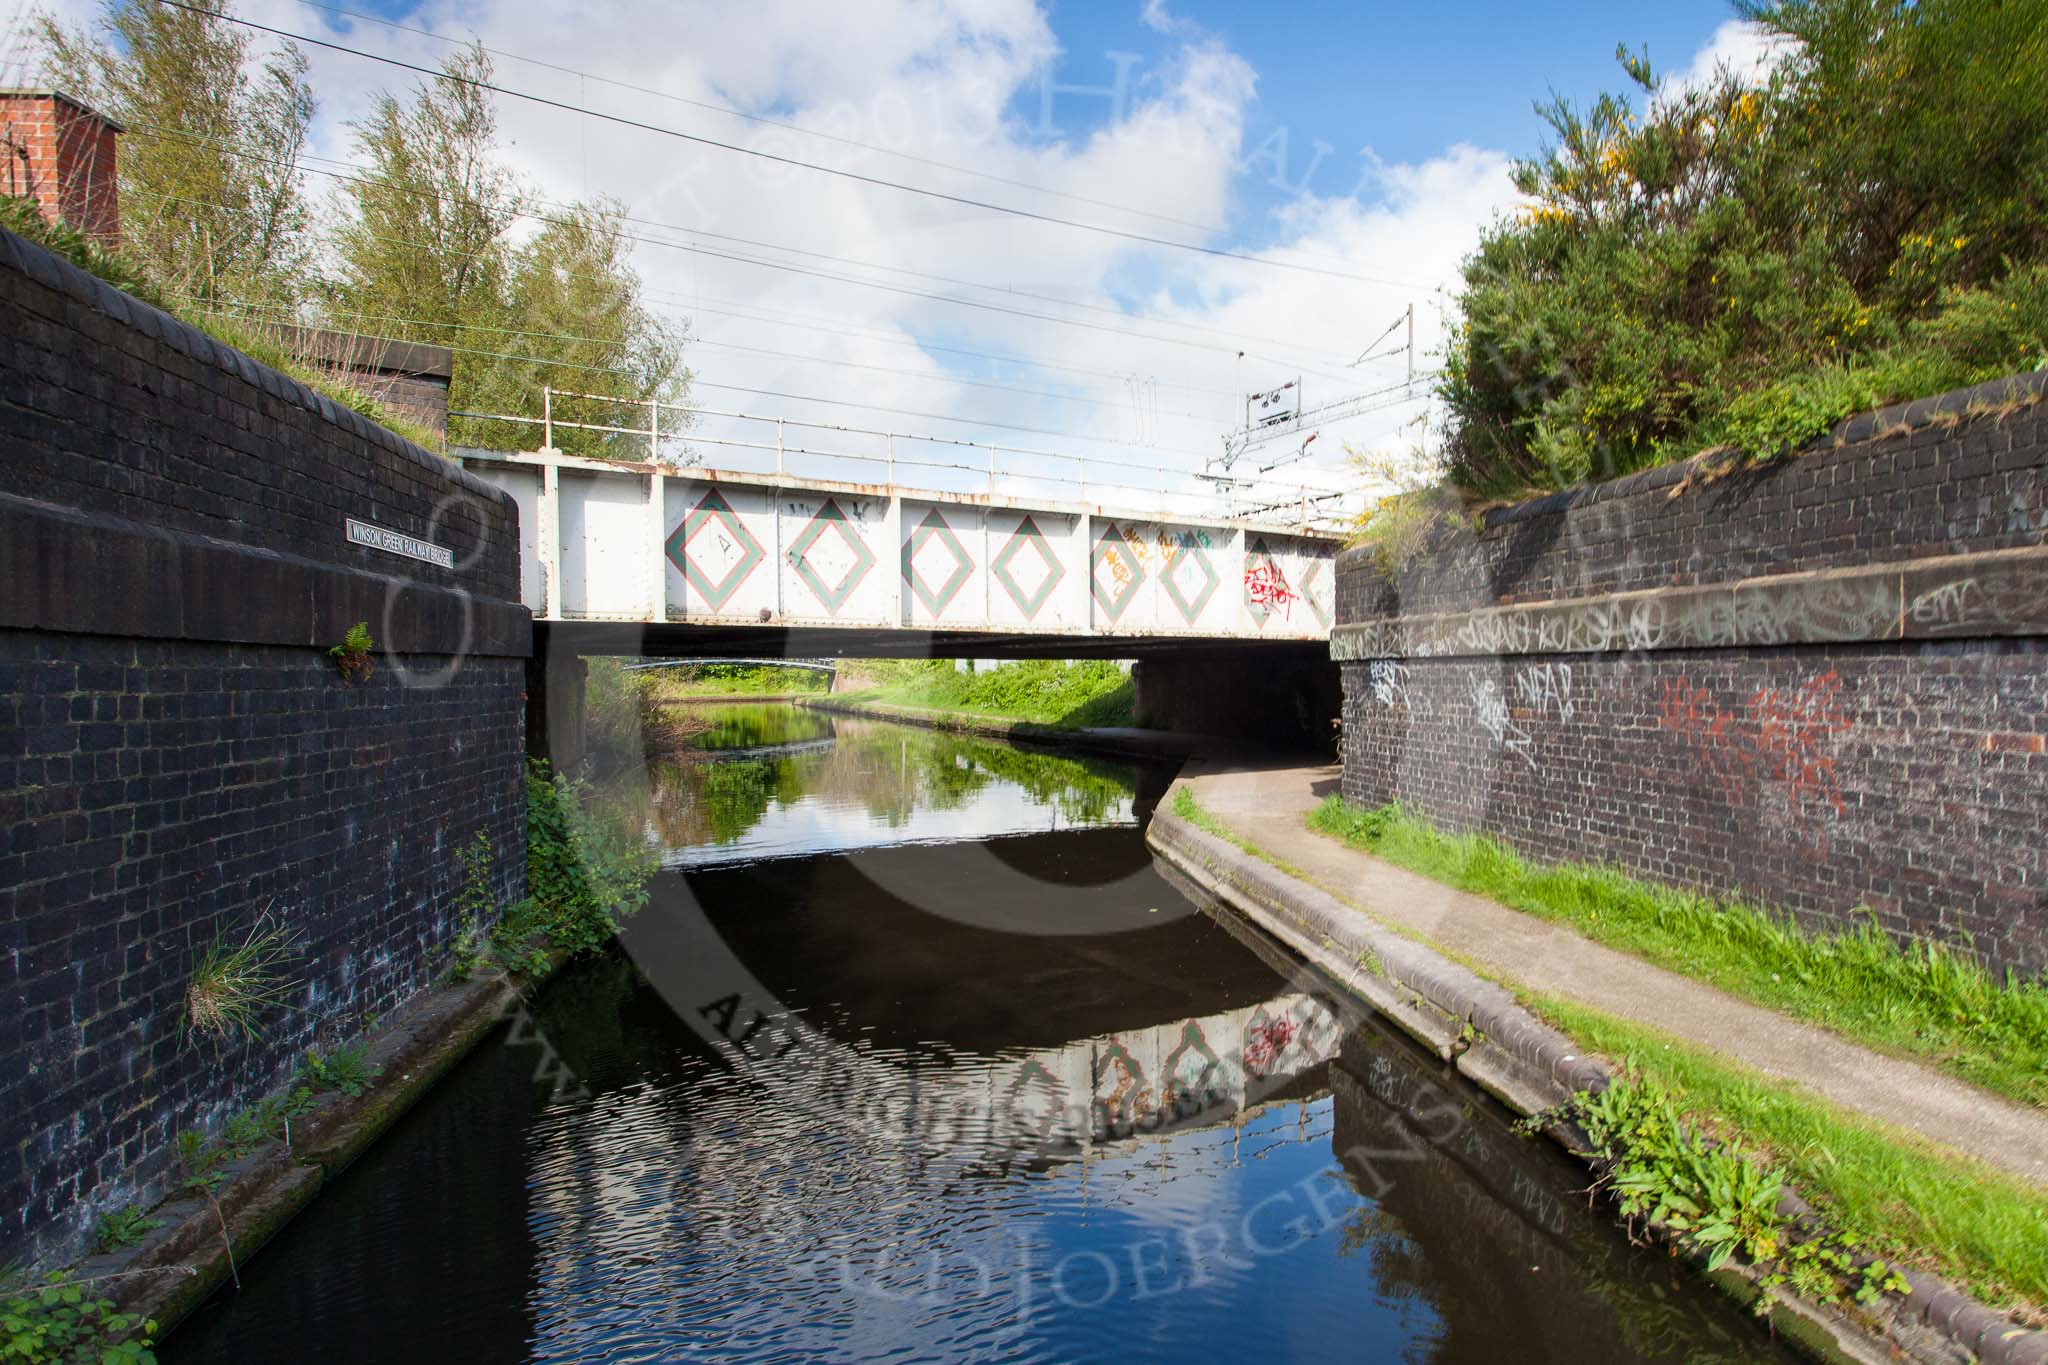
203,1242
1125,741
1485,1033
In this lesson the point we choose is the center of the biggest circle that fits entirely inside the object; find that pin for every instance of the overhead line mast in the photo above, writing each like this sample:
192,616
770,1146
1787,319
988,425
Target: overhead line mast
1271,414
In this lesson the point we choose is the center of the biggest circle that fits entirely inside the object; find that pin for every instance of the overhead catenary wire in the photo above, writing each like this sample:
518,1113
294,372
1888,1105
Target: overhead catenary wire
932,376
1229,343
775,318
621,120
698,381
285,315
764,121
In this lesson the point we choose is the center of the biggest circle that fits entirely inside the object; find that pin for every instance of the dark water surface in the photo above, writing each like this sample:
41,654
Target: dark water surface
915,1056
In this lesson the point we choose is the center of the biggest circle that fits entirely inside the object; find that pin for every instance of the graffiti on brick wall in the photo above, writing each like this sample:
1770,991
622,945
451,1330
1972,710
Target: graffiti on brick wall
2001,589
1387,679
1546,687
1695,714
1947,605
2027,514
1490,711
1783,737
1795,737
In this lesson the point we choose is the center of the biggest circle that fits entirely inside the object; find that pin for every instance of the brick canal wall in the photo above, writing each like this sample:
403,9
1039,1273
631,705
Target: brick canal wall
178,753
1821,683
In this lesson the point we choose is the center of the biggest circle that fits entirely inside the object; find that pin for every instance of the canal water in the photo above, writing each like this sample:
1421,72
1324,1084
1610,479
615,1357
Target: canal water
914,1055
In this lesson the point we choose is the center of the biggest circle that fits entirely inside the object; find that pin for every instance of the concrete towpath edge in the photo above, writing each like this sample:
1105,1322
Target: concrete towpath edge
1533,1068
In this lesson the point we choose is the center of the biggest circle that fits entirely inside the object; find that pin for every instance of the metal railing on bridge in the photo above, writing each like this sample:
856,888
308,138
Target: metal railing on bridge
678,439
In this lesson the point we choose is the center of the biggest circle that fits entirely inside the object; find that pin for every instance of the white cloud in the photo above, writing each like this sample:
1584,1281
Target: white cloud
1154,15
1746,51
958,82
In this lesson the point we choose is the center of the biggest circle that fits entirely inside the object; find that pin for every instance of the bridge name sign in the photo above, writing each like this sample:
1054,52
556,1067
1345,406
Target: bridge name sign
398,543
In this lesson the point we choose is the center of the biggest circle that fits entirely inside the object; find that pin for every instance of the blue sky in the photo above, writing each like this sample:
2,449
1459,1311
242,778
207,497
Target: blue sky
1406,80
814,295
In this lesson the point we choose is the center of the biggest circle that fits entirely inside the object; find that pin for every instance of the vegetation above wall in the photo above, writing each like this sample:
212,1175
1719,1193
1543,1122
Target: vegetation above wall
21,217
420,246
1745,262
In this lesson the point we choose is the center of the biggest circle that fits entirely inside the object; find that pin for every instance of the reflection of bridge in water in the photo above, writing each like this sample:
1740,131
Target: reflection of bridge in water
991,1107
858,1180
1096,1093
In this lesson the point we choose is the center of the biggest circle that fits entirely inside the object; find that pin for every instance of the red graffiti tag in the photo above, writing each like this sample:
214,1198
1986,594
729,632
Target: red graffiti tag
1784,736
1693,712
1792,730
1266,586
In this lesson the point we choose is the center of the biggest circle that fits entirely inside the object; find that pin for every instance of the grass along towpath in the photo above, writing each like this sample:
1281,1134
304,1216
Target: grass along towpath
1268,810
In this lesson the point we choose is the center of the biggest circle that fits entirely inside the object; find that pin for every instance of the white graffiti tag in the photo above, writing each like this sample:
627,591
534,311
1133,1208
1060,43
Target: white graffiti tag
1490,709
1388,680
1947,605
1542,687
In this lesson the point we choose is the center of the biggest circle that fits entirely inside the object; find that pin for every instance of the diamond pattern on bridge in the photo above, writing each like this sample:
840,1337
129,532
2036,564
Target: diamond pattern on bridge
1315,590
830,557
1114,573
1007,570
717,567
1189,578
933,540
1266,589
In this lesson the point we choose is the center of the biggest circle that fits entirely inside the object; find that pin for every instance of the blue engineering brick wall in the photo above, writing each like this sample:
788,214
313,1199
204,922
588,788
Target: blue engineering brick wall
1859,722
178,753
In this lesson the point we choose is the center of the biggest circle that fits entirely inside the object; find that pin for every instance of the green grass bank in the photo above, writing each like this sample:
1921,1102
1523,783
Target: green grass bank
1064,695
1926,1000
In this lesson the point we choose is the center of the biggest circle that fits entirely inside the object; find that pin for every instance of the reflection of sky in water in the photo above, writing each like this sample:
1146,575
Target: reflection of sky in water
822,823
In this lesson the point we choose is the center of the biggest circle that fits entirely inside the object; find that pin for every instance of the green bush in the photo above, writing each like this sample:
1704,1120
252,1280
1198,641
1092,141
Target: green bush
583,874
1744,265
1716,1199
1041,691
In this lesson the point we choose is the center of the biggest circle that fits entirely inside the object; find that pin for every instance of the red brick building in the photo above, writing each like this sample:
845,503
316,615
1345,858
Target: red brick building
60,152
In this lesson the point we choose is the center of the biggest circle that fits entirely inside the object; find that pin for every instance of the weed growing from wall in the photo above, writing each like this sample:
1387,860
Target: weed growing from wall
234,985
475,906
345,1070
352,655
123,1228
1717,1200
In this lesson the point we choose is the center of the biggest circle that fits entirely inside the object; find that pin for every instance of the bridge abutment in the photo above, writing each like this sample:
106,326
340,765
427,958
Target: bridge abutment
557,689
190,757
1289,698
1813,683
